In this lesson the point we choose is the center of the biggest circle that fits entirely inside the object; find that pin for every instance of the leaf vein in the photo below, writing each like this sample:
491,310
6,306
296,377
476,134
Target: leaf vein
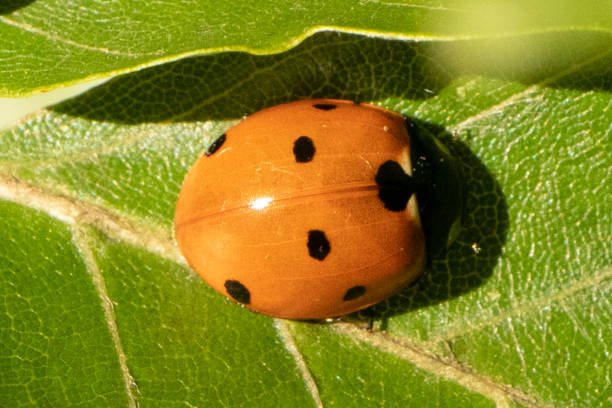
81,241
282,327
449,370
517,97
56,38
534,306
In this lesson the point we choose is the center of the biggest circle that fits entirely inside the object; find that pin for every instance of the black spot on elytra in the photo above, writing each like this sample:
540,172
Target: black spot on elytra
318,245
395,187
216,145
303,149
238,291
354,293
325,106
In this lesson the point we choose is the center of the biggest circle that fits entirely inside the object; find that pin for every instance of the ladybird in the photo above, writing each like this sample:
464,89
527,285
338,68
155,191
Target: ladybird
305,210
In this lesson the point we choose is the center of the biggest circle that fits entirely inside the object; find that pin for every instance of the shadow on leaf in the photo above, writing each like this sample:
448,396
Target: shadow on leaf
8,6
231,85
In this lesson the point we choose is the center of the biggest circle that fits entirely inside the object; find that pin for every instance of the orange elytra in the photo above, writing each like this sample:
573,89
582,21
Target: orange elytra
305,210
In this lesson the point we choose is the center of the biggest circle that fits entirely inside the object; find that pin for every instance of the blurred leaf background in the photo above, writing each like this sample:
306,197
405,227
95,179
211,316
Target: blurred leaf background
98,307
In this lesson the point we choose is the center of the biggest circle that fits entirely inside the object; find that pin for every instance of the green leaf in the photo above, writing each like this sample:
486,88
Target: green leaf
56,344
48,43
515,313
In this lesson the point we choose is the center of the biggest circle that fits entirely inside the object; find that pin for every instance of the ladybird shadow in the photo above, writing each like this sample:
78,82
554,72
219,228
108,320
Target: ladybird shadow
470,260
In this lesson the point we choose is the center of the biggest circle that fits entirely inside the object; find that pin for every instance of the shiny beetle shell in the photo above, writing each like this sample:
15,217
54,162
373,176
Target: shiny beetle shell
305,210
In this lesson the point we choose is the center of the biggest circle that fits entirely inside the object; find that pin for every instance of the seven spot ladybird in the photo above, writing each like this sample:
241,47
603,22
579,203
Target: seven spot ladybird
305,210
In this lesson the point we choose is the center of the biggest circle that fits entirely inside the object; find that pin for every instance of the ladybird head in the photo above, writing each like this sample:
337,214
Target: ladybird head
439,189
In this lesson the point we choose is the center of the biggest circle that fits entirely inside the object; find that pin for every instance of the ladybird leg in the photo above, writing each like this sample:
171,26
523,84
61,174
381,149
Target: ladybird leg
370,327
370,315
